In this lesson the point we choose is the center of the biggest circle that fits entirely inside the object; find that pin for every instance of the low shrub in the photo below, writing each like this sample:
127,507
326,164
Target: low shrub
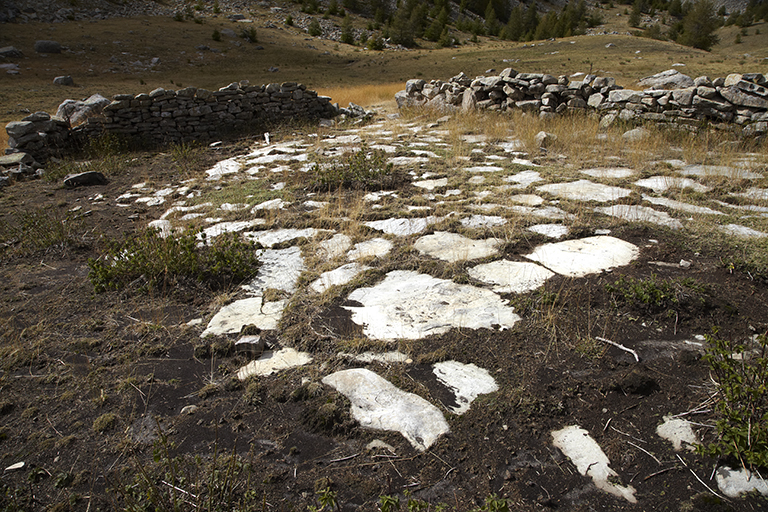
741,373
359,170
147,261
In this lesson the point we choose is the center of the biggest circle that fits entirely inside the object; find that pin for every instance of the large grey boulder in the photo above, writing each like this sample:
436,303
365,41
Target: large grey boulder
47,47
670,79
76,112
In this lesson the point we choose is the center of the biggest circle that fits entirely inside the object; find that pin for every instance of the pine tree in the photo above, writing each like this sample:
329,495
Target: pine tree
347,31
699,26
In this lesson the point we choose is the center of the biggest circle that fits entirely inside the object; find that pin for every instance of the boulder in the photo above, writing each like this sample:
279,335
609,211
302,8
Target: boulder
18,129
738,97
636,135
76,112
670,79
621,95
84,179
47,47
16,159
64,80
469,101
544,139
9,52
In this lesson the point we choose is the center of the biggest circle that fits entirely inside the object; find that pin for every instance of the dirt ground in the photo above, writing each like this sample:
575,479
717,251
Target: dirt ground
93,385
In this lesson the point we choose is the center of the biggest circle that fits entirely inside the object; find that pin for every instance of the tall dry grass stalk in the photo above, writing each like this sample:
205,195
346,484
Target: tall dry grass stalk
363,95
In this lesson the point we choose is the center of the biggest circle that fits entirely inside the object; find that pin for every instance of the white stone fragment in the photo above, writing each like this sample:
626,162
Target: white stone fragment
660,184
315,205
277,236
527,199
466,381
453,247
590,460
719,170
511,276
375,196
408,160
609,172
678,205
635,213
483,221
280,270
393,356
402,227
678,431
525,178
734,483
754,193
228,227
743,231
272,362
337,277
375,247
547,212
379,405
484,168
578,258
273,204
228,166
585,190
409,305
163,227
551,230
431,184
334,247
231,318
476,180
151,201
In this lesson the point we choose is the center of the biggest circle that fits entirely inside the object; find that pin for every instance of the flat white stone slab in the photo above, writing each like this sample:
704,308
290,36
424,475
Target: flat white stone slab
393,356
743,231
378,404
678,205
483,221
276,236
273,204
280,270
678,431
719,170
609,172
476,180
409,305
229,227
402,227
578,258
431,184
756,194
734,483
375,196
466,381
590,460
229,166
585,190
337,277
635,213
163,227
550,230
527,199
511,276
272,362
546,212
376,247
484,168
524,179
344,139
744,207
232,317
334,247
661,184
453,247
408,160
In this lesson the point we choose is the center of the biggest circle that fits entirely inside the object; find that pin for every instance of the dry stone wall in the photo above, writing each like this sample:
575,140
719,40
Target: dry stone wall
738,101
165,116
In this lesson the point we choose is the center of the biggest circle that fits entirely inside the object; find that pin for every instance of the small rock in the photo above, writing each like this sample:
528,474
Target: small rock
64,80
14,467
85,179
47,47
636,135
544,139
189,409
9,52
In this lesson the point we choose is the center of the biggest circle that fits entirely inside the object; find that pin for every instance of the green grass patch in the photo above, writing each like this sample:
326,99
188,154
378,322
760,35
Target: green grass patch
149,262
358,170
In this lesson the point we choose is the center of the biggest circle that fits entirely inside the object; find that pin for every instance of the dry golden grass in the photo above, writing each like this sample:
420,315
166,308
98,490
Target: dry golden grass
363,95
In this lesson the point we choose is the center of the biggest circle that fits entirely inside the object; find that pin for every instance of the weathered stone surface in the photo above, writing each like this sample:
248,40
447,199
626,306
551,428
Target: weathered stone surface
625,95
272,362
585,190
409,305
511,276
65,80
578,258
670,79
9,52
47,47
379,405
636,213
452,247
84,179
738,97
466,382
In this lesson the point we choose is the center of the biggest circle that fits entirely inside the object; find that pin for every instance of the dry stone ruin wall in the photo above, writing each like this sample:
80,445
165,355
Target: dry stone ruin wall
166,116
738,101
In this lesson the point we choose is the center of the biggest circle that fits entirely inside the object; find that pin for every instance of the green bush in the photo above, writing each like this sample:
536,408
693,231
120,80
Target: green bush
249,34
360,170
148,261
741,403
314,28
216,36
376,43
